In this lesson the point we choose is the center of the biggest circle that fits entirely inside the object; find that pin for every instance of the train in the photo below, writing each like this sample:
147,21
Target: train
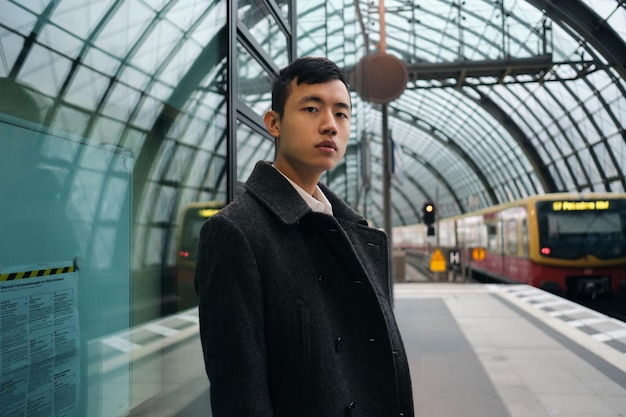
572,244
192,218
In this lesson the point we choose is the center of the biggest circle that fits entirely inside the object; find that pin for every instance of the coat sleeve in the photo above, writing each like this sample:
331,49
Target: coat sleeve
230,301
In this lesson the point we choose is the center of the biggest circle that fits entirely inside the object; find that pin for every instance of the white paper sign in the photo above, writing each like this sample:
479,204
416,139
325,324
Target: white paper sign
39,342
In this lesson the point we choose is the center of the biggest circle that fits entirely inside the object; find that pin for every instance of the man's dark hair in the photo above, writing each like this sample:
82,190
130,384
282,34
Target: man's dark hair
307,70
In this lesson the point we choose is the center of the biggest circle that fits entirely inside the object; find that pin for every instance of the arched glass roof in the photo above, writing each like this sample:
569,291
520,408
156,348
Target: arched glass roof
504,99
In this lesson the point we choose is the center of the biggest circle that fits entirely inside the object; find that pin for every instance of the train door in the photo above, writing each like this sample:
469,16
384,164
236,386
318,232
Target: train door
509,247
494,262
516,252
525,271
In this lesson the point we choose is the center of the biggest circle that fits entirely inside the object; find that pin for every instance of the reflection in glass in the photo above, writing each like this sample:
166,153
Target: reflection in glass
251,147
255,84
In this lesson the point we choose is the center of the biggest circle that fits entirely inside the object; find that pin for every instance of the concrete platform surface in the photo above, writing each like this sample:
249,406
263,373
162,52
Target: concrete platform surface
509,350
475,350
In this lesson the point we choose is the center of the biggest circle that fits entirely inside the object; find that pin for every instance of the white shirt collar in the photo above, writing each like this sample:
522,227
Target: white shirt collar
317,202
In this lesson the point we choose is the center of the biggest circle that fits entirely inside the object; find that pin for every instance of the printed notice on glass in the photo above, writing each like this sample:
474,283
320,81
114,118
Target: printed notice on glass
39,342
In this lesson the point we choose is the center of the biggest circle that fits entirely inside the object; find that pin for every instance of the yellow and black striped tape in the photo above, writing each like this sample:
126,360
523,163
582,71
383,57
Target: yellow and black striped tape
12,276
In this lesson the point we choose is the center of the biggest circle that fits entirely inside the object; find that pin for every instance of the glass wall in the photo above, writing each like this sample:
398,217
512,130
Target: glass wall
123,125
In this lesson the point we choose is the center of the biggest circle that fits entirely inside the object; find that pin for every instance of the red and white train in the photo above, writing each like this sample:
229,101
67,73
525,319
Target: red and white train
572,244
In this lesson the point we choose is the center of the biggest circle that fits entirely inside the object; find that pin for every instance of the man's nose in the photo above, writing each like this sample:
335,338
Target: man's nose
329,124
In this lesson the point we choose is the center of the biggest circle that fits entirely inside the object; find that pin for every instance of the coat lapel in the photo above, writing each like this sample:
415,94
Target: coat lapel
273,191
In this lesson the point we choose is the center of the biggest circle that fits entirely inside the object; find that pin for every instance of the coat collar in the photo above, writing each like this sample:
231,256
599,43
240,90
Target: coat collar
268,186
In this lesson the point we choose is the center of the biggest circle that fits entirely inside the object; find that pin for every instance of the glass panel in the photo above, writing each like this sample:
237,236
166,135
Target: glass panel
61,41
87,88
18,18
183,57
69,119
121,32
251,147
121,102
255,84
265,30
105,76
44,69
65,268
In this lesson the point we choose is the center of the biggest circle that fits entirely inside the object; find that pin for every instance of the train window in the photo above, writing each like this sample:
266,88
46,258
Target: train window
583,223
447,235
575,233
471,232
492,237
511,237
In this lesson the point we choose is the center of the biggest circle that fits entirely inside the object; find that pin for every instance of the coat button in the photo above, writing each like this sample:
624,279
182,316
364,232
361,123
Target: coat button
339,344
350,409
323,280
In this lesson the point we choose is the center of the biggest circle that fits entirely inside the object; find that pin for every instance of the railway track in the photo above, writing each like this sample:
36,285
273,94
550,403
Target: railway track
614,306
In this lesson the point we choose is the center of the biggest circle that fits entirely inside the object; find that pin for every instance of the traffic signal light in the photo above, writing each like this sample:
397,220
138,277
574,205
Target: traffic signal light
429,213
429,216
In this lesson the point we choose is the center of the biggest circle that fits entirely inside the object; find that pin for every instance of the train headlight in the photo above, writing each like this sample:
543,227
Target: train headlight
546,251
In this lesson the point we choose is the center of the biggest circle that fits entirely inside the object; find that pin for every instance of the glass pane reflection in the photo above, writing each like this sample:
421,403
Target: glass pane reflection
255,84
251,147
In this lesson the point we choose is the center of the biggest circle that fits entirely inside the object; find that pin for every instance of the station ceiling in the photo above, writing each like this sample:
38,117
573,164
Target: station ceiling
504,99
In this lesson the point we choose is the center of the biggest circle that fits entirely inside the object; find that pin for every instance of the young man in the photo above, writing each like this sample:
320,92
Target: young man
293,286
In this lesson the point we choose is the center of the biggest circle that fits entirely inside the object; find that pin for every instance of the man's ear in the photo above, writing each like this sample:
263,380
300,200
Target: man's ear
272,123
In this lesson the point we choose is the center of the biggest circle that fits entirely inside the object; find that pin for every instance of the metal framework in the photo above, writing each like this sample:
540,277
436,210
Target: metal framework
504,99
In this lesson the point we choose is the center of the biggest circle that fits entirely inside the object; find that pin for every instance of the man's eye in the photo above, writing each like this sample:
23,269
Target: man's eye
310,109
342,115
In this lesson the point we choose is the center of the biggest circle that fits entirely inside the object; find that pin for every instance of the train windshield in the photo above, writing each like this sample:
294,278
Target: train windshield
574,229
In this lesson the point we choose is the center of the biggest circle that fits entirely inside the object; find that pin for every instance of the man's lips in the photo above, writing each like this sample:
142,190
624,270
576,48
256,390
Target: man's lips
327,144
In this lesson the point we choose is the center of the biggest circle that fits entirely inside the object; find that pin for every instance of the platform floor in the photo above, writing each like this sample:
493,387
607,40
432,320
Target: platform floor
474,350
498,350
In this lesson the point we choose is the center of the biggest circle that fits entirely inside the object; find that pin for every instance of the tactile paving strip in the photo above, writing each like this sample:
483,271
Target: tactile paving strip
598,326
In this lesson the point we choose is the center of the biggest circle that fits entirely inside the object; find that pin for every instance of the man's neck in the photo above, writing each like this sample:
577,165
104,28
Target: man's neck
307,182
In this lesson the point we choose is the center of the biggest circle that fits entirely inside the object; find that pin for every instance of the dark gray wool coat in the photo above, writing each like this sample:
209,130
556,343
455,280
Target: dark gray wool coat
295,314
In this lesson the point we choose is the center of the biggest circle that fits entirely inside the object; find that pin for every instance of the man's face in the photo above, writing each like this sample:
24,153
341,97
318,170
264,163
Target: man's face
314,130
